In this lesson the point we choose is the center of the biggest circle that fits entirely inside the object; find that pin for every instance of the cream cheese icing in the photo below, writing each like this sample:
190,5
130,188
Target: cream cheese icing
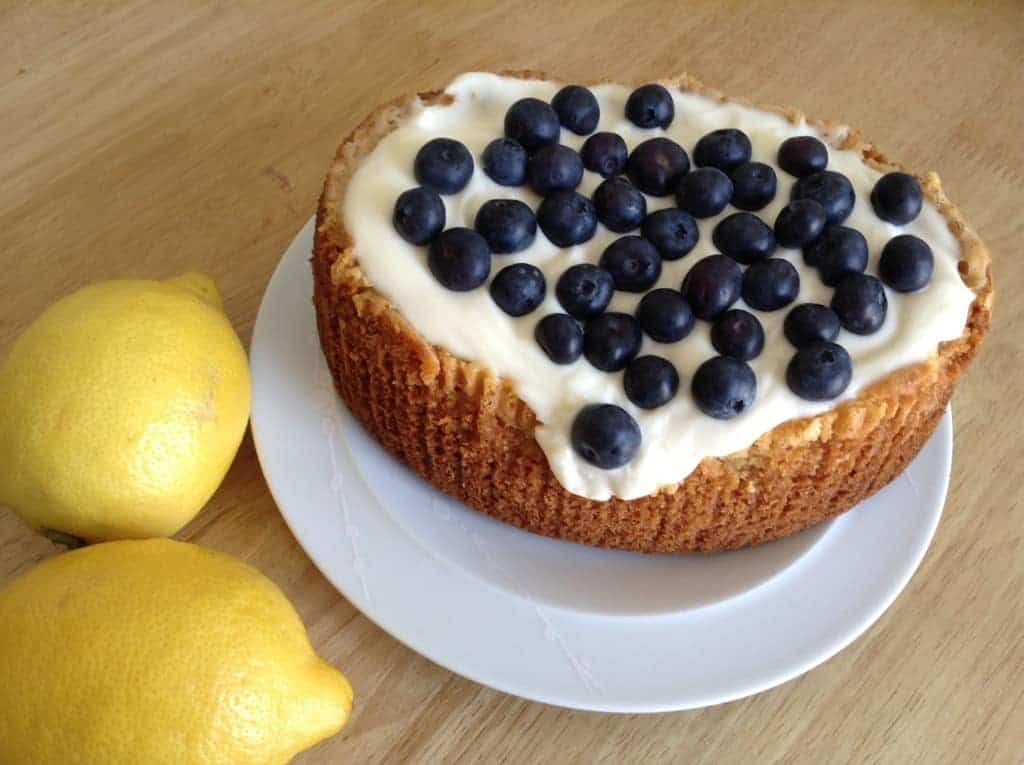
676,436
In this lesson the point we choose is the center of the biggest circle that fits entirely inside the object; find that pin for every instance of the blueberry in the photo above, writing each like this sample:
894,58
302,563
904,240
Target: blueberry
771,284
611,340
419,215
561,337
508,225
665,315
650,106
820,371
753,185
906,264
860,303
504,161
577,109
554,167
650,381
738,334
725,149
518,289
605,153
831,190
532,123
837,252
802,155
657,165
673,232
704,192
744,237
584,290
809,323
799,223
443,165
460,259
633,262
605,435
897,198
567,218
724,387
712,286
619,204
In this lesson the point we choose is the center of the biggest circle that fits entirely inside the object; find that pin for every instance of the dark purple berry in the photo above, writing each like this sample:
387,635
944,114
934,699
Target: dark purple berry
771,284
508,225
605,436
724,387
577,109
611,340
518,289
459,259
504,162
802,155
831,190
860,303
799,223
584,290
837,252
633,262
753,185
650,381
809,323
561,337
712,286
605,154
673,232
906,264
704,192
650,106
738,334
567,218
665,315
725,149
657,165
619,204
820,371
897,198
554,167
532,123
744,237
419,215
443,165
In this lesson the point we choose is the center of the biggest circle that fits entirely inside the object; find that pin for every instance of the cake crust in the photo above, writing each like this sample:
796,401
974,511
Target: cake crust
464,429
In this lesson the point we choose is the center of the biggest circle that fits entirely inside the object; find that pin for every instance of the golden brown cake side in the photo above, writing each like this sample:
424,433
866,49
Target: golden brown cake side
465,430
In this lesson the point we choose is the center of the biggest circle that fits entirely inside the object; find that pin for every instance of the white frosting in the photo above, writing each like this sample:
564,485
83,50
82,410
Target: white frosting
676,436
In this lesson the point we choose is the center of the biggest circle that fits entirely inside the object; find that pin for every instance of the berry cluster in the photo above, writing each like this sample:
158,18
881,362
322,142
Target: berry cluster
724,174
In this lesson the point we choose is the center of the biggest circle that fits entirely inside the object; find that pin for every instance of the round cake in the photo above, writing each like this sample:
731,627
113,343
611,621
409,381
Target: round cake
648,318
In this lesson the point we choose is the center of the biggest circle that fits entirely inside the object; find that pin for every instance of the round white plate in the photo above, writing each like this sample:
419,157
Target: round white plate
548,620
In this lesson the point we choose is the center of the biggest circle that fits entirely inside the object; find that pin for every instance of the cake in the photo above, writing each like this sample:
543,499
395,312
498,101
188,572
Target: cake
647,318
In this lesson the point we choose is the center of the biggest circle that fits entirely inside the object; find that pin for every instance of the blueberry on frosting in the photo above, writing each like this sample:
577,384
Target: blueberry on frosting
584,290
650,381
518,289
443,165
459,259
633,262
725,149
619,205
744,237
605,435
560,336
839,251
508,225
860,303
809,323
611,340
724,387
704,192
419,215
896,198
657,165
832,191
802,155
906,264
665,315
712,286
771,284
673,232
567,218
819,371
554,167
753,185
604,154
577,109
504,162
650,106
738,334
799,223
532,123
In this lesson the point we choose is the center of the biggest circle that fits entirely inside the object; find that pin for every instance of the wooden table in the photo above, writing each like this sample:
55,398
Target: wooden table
147,138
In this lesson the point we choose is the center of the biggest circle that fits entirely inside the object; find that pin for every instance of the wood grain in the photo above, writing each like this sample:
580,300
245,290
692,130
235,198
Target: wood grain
146,138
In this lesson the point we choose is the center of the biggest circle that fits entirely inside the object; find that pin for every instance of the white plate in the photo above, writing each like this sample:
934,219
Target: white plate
548,620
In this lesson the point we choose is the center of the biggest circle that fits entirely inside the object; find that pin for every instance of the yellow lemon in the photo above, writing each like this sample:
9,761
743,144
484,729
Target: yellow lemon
157,651
121,409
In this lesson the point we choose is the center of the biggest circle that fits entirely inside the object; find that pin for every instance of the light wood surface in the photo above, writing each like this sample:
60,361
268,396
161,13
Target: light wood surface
144,139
